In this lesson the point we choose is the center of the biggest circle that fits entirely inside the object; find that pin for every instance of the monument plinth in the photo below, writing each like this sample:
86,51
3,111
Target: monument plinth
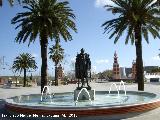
84,95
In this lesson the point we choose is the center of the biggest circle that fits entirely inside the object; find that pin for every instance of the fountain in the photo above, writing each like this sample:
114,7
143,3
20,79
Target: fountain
28,97
133,102
19,98
124,88
46,92
84,92
118,88
84,101
83,97
115,87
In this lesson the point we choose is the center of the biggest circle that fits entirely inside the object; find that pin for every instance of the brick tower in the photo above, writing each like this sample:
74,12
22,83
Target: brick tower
59,75
134,70
116,70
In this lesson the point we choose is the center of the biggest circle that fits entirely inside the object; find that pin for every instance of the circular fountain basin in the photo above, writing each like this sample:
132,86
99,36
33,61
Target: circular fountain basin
104,104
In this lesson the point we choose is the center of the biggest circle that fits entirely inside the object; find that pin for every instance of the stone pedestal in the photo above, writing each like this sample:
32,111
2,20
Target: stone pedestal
84,94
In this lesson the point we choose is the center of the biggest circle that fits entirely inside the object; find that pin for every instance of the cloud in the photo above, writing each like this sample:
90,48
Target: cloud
101,3
35,55
73,59
102,61
156,58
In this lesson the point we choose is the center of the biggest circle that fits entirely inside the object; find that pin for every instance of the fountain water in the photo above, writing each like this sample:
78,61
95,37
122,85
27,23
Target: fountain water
83,91
118,88
46,93
115,87
19,98
124,88
28,97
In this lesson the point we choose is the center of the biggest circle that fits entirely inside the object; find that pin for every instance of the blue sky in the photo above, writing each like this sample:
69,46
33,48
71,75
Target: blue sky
90,15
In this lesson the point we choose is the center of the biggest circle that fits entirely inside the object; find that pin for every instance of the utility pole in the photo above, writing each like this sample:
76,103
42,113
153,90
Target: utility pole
2,63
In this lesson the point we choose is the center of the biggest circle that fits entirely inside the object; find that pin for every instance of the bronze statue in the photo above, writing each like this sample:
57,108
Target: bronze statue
83,69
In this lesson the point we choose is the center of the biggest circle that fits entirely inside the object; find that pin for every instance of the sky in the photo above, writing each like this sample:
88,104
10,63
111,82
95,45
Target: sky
90,15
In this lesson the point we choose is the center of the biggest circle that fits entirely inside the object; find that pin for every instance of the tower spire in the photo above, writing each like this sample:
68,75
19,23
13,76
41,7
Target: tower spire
116,72
115,57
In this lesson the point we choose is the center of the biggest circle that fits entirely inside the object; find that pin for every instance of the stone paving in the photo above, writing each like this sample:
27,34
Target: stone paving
15,91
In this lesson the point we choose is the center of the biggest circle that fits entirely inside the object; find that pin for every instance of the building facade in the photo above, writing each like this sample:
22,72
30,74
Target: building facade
122,72
2,81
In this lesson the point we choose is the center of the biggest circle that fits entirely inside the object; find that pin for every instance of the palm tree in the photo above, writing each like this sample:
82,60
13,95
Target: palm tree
24,62
157,3
10,2
48,19
138,18
57,55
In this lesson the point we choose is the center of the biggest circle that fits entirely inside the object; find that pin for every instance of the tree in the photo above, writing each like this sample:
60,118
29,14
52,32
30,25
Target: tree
108,74
138,18
24,62
157,3
46,19
155,70
10,2
57,55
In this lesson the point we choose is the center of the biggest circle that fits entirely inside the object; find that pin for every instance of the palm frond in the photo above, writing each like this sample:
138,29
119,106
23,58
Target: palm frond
52,16
130,14
56,53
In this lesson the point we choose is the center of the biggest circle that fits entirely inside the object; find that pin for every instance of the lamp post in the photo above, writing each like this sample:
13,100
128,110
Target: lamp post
2,63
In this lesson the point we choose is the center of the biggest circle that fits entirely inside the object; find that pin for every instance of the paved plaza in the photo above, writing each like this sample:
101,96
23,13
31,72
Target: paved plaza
15,91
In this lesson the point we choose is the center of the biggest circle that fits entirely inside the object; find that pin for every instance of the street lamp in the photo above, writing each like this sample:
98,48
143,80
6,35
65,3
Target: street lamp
53,77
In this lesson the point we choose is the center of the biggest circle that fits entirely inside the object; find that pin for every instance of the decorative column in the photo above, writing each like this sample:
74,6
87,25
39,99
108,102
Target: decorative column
116,70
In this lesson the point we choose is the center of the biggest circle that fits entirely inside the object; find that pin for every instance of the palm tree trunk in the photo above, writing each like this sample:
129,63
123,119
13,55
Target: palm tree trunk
0,2
16,81
24,82
139,60
44,44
